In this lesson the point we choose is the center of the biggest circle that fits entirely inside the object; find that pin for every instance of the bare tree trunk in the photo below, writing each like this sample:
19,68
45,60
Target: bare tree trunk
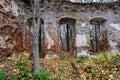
36,22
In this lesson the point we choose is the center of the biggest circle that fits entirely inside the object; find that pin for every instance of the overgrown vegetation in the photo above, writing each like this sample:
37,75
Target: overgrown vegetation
103,66
2,74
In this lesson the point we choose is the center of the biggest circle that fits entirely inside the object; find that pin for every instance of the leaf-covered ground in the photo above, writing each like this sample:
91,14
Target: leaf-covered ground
102,67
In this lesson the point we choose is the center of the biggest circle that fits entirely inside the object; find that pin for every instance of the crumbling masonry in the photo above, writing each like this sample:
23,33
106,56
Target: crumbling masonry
66,28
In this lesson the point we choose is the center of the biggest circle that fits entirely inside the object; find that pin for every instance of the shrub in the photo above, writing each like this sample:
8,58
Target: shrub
42,75
2,74
25,73
79,60
63,78
63,67
105,58
13,78
21,59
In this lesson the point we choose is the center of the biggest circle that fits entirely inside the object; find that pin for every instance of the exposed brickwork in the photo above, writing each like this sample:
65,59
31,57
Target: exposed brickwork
11,34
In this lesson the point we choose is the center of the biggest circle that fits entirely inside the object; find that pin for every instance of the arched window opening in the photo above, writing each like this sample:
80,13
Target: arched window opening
67,34
98,34
41,34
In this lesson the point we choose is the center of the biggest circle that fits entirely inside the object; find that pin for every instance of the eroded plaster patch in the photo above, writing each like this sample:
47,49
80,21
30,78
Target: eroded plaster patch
6,7
116,26
113,46
83,25
50,41
81,40
11,46
83,53
11,6
3,43
14,8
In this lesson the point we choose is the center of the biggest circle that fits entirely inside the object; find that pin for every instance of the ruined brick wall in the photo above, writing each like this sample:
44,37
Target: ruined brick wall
82,13
11,32
53,12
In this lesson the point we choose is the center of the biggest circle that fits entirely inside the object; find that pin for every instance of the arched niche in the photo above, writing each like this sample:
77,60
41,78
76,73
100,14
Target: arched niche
41,34
30,21
67,33
98,35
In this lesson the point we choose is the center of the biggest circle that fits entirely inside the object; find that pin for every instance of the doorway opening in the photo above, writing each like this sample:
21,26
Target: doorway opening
67,34
98,34
41,34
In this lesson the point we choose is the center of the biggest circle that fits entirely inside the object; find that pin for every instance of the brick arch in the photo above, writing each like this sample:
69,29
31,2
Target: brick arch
30,22
99,20
67,20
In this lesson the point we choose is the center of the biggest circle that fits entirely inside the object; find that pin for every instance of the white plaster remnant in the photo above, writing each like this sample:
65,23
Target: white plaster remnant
113,46
50,41
2,42
83,25
10,6
81,40
83,53
11,46
51,56
89,1
116,26
14,8
6,7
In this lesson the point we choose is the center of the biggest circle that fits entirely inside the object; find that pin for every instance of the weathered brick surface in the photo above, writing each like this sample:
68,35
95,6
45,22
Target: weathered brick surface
11,34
